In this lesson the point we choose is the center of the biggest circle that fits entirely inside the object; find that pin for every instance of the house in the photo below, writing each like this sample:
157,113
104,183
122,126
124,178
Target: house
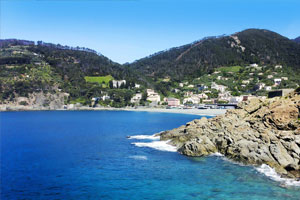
201,87
268,88
224,96
176,90
285,78
277,81
137,85
261,86
180,84
152,96
270,76
254,65
172,101
118,83
105,97
191,86
260,74
136,98
193,100
245,81
279,93
220,88
235,100
278,66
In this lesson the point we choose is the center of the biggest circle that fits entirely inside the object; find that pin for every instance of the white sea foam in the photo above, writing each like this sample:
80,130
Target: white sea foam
271,173
139,157
158,145
217,154
144,137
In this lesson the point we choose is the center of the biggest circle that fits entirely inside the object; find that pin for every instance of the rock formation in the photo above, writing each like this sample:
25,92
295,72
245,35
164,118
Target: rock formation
259,132
36,101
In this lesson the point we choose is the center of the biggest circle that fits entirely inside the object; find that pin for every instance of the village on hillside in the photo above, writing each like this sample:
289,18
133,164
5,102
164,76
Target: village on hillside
219,90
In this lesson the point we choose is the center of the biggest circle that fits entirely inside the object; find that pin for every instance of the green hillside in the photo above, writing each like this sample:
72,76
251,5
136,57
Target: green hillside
28,68
193,60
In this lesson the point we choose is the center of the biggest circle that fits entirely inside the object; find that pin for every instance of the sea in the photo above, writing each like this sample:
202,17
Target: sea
115,155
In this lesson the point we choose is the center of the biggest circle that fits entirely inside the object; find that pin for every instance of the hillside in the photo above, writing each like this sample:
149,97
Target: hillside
251,62
297,39
193,60
26,68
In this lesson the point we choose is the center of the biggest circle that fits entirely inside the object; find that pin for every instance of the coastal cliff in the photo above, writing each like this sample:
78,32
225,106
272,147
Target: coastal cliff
36,101
259,132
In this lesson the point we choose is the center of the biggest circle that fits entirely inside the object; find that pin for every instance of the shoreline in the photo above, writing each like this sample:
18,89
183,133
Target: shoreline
193,111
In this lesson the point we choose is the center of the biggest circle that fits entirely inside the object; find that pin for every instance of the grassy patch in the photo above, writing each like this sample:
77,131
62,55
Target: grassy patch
78,100
98,79
230,69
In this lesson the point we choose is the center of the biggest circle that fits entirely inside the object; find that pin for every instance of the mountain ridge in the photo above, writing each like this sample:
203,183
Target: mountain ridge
195,59
28,67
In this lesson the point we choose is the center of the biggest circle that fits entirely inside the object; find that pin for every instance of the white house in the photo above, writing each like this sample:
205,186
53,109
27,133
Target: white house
285,78
225,96
235,100
261,86
136,98
152,96
220,88
245,81
118,83
278,66
180,84
270,76
254,65
193,100
277,81
137,85
268,88
190,86
105,97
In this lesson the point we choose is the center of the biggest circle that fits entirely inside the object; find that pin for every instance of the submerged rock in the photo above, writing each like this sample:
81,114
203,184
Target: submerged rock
259,132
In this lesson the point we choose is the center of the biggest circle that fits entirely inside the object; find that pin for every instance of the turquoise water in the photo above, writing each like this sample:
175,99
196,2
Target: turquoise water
86,155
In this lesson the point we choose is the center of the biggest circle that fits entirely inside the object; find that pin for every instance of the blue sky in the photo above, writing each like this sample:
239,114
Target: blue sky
126,30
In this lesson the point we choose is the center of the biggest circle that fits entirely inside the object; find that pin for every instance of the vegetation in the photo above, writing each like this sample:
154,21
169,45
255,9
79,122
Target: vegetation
27,68
230,69
102,80
201,57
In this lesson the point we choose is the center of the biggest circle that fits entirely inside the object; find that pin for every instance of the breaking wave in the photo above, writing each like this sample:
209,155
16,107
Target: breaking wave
272,174
138,157
158,145
144,137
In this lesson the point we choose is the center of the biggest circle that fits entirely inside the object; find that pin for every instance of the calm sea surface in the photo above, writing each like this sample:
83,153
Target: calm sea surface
86,155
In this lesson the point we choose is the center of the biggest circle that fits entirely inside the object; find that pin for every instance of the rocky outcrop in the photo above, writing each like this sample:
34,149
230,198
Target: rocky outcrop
37,101
259,132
